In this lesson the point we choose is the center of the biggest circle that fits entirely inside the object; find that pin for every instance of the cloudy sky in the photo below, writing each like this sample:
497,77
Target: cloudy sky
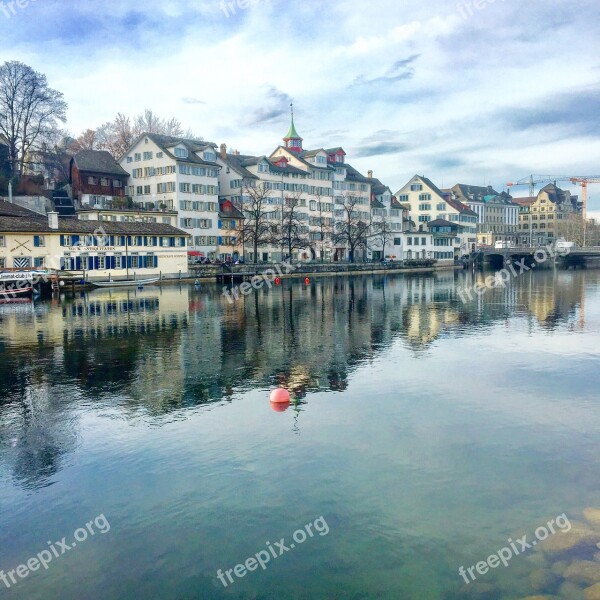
458,93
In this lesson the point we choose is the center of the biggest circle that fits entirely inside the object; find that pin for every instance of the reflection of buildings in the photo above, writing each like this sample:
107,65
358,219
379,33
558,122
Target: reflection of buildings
170,348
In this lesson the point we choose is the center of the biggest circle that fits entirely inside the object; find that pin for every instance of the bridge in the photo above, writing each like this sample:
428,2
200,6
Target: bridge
566,257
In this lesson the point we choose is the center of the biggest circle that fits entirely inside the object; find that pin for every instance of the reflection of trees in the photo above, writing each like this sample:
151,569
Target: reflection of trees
181,347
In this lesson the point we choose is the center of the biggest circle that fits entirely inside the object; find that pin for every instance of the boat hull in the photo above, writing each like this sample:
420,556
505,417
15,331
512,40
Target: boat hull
125,283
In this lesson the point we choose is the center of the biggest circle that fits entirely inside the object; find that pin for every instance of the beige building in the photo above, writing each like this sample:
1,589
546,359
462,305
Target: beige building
100,248
541,217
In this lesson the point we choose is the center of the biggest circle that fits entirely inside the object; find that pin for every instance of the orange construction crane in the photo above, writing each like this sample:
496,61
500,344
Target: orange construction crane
582,180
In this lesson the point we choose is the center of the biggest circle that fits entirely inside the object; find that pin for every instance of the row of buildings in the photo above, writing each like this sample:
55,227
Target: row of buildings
294,203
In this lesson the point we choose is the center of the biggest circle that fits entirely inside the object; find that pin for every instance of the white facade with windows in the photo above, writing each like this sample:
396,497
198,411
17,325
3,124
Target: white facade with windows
175,174
428,203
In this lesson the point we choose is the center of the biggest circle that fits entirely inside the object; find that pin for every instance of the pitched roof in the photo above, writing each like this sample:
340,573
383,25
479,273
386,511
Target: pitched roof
165,142
474,190
525,201
431,185
353,175
98,161
238,163
460,207
443,223
335,150
27,221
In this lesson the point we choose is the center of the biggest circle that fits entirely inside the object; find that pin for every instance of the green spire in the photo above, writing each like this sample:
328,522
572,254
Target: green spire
292,133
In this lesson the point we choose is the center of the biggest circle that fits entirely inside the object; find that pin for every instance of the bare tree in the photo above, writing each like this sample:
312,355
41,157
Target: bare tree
292,233
88,140
29,111
324,224
115,136
257,227
381,233
354,227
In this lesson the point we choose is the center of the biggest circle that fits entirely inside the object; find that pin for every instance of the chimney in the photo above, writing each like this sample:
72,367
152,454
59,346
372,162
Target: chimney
236,152
370,174
53,220
223,151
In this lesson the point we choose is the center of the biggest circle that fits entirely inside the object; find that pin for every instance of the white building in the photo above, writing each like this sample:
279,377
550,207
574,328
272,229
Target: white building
320,178
178,174
429,203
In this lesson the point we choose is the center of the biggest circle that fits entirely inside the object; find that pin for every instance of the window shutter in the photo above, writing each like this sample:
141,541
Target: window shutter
62,240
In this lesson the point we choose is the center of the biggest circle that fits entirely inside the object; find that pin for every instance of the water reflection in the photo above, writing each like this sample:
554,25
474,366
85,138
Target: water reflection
161,351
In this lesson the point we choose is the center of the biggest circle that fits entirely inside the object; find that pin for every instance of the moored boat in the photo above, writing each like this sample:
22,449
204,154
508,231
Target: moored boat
125,282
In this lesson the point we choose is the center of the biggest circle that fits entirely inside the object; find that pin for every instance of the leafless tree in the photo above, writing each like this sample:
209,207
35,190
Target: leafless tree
29,111
354,227
292,232
324,224
88,140
381,232
257,227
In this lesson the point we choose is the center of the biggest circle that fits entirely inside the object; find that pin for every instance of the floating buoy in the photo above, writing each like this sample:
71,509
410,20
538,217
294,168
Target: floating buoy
280,396
306,280
277,281
280,407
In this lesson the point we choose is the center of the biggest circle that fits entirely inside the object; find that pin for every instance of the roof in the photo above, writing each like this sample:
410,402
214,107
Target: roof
353,175
337,150
377,187
443,223
524,201
474,190
235,213
377,204
164,142
98,161
292,134
460,207
27,221
238,163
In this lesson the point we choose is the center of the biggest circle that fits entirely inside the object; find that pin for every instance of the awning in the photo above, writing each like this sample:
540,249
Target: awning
195,253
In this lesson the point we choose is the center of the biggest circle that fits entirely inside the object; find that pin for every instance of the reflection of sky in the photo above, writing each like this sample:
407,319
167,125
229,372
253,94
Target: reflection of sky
430,458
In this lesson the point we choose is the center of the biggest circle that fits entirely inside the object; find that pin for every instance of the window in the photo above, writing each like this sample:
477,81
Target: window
137,173
441,206
416,187
322,160
185,188
117,183
147,155
263,168
146,190
38,262
92,181
185,169
129,159
210,156
138,157
159,155
101,262
424,206
181,152
105,182
424,218
39,241
397,241
423,241
2,241
423,197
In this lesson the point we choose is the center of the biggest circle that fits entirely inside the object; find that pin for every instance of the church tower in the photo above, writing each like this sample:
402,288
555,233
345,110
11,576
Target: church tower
293,141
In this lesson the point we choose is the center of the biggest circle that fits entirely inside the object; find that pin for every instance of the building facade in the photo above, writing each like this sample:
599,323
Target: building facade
182,175
428,203
100,248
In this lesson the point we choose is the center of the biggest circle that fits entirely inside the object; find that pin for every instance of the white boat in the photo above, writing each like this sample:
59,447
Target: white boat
125,282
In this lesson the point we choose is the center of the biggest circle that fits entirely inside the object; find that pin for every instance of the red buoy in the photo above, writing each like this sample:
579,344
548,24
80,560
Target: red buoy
277,281
281,407
280,396
306,280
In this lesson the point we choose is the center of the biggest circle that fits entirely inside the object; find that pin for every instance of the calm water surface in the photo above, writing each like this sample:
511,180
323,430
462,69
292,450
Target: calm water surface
426,432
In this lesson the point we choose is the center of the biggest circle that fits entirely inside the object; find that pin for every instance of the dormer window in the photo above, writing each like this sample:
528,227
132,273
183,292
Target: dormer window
211,156
181,152
339,158
321,160
263,168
